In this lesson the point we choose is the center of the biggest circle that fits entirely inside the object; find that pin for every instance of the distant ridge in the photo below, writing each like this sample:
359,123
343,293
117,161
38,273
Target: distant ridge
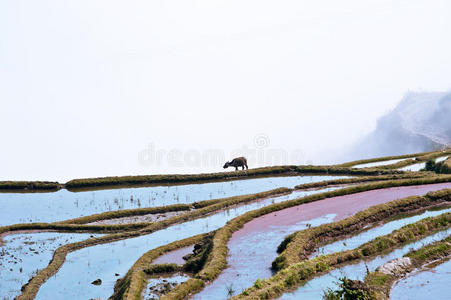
420,122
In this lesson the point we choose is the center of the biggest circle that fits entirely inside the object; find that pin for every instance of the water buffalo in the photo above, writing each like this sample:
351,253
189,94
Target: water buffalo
237,162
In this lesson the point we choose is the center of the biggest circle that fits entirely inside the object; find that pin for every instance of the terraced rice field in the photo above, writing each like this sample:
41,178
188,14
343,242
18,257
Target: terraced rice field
63,204
288,236
378,163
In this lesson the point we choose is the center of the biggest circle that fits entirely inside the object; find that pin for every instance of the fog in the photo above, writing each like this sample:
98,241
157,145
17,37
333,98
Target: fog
96,88
419,123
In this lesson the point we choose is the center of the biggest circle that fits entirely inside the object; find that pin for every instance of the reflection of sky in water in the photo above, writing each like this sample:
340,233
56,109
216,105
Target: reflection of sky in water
366,236
378,163
425,284
419,166
22,255
259,250
258,259
414,167
440,159
103,261
314,288
62,205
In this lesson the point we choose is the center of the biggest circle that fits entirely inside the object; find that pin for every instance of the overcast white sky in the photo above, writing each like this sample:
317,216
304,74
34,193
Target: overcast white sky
86,86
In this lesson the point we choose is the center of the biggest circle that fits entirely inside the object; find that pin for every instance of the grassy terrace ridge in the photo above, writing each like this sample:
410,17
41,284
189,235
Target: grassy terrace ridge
184,290
300,245
77,224
174,207
360,179
132,284
60,225
380,284
149,180
299,273
31,288
443,167
384,158
448,163
202,208
201,204
419,159
87,184
405,205
217,260
108,215
74,228
64,225
29,186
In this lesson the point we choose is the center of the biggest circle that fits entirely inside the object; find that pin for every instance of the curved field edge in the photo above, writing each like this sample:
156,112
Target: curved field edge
183,207
422,155
73,228
403,206
421,158
132,284
380,283
202,208
418,159
383,158
68,225
30,290
237,199
217,260
88,184
60,225
223,176
300,245
175,207
359,179
299,273
149,180
64,225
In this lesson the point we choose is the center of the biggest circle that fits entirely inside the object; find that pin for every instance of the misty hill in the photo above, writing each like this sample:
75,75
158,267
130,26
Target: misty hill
421,122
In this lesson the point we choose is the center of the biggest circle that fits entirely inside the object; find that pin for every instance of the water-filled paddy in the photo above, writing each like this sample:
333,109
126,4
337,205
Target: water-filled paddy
22,255
103,261
366,236
63,204
174,257
424,284
256,261
378,163
419,166
440,159
315,288
257,251
414,167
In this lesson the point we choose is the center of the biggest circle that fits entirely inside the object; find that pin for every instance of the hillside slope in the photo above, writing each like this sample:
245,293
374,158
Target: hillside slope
420,122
